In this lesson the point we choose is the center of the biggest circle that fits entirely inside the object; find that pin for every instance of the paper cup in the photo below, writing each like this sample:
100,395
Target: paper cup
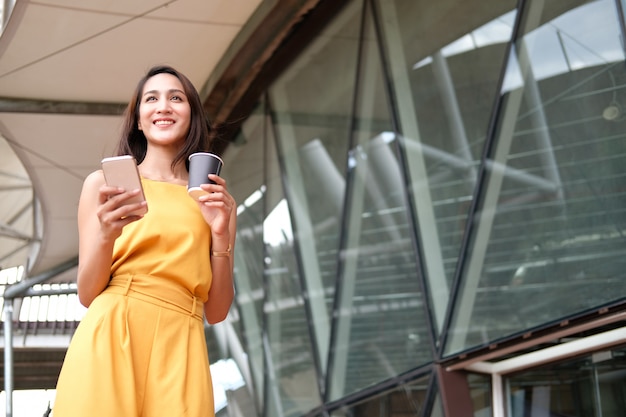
201,164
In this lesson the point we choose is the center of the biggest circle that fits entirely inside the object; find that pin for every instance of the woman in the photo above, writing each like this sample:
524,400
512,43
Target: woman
148,280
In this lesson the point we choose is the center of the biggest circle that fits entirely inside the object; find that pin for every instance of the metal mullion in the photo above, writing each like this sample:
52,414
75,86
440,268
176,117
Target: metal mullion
264,333
431,394
343,232
404,168
479,190
297,252
622,23
382,387
244,327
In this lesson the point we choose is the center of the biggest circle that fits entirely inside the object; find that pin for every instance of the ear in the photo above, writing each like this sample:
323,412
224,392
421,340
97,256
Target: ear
139,126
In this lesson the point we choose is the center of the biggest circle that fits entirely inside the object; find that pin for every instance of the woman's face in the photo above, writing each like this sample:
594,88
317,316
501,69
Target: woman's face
164,111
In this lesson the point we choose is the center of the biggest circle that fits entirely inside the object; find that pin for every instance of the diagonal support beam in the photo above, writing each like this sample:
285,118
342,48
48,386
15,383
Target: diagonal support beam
11,232
17,105
22,287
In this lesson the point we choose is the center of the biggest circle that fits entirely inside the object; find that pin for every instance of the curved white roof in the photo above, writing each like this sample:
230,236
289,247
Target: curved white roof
67,68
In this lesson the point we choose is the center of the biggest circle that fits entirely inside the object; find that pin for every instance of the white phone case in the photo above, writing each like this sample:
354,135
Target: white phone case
121,171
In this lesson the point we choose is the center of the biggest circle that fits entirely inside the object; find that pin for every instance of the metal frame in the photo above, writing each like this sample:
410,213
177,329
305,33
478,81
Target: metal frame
499,370
11,293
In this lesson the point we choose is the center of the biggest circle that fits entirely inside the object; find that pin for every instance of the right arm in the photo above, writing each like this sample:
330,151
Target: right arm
101,218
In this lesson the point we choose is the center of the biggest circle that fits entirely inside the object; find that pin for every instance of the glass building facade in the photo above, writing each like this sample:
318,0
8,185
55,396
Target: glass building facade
429,183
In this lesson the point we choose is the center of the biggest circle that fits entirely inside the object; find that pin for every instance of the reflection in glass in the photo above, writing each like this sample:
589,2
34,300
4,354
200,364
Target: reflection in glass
550,237
381,328
444,87
437,409
249,285
311,121
593,386
330,256
291,382
269,297
480,392
407,400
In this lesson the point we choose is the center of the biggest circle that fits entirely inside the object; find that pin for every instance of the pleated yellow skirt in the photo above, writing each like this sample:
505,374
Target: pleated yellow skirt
139,351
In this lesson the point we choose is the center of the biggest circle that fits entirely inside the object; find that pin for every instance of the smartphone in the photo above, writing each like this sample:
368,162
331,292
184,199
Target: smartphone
121,171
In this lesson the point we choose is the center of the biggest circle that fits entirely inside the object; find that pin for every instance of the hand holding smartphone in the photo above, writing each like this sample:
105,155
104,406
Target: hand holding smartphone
121,171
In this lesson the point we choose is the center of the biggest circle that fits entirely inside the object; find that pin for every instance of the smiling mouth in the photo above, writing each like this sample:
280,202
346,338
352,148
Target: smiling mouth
164,122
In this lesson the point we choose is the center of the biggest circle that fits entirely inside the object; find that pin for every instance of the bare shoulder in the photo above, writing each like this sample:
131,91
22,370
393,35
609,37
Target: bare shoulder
92,184
94,180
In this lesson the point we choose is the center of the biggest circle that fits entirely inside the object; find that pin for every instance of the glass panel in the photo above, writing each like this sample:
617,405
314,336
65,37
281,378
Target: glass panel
593,386
437,409
247,184
480,391
292,378
311,105
445,78
406,400
549,240
381,327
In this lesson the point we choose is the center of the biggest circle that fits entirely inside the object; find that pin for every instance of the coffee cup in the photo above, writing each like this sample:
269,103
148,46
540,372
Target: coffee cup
201,164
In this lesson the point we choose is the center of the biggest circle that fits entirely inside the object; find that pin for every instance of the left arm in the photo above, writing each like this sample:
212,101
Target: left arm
220,212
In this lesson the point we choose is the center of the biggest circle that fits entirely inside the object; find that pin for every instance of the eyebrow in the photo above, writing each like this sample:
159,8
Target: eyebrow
173,90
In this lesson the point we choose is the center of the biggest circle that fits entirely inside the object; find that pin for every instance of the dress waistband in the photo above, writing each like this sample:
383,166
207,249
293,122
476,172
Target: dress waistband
157,291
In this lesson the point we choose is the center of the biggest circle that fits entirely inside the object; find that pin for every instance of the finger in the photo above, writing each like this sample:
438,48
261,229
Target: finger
212,188
114,227
217,179
216,188
213,196
130,210
216,202
118,199
105,192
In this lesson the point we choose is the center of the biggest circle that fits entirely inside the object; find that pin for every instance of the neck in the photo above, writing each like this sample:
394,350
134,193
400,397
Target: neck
158,166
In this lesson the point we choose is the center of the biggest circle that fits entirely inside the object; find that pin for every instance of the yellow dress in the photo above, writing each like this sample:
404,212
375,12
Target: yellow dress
140,350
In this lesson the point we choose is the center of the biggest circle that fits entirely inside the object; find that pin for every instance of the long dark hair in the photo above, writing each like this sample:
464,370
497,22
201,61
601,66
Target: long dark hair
132,140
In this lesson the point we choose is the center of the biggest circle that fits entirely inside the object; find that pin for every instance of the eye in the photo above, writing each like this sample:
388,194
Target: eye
150,98
176,98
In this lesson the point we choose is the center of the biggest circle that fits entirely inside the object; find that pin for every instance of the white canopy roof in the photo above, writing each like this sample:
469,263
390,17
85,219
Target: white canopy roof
67,68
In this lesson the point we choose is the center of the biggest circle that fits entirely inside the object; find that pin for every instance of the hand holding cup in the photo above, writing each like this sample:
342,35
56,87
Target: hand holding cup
201,164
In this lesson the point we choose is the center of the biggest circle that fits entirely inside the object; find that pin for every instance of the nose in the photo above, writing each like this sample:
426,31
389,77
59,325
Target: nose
164,106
